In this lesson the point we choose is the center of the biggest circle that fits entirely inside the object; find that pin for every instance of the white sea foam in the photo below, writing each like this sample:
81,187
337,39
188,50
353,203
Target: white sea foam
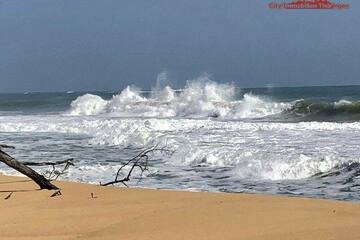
200,98
264,150
342,102
194,122
88,104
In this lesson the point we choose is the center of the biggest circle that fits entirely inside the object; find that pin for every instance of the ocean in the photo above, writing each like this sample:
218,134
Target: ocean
300,141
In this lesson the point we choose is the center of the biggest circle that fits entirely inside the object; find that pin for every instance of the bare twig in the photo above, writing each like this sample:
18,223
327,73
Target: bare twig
23,167
140,161
6,146
48,163
57,193
27,171
54,174
8,196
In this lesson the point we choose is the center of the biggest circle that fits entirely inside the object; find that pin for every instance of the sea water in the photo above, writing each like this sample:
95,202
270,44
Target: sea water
301,141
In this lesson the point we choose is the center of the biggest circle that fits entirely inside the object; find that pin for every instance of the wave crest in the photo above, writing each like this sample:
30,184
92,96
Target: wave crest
342,110
88,104
199,99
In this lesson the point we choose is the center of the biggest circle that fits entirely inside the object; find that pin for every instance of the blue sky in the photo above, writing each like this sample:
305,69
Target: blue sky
65,45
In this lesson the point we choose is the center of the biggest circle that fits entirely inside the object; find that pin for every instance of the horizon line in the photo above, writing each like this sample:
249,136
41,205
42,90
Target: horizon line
179,89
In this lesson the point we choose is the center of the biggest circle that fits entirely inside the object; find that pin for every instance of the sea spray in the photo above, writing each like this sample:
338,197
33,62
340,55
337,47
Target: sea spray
199,99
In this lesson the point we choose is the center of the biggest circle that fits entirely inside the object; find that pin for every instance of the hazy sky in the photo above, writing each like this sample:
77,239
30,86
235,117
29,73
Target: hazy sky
57,45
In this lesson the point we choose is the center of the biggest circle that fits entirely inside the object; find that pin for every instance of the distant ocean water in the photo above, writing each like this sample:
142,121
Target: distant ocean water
294,141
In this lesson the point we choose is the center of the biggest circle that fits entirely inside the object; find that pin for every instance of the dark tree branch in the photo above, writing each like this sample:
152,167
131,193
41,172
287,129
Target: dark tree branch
53,174
23,167
6,146
140,161
27,171
49,163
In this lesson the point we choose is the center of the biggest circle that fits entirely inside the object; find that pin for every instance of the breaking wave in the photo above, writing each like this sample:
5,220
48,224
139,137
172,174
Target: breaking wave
342,110
351,169
205,98
199,99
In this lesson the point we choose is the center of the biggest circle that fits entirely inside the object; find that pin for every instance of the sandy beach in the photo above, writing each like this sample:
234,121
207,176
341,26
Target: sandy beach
121,213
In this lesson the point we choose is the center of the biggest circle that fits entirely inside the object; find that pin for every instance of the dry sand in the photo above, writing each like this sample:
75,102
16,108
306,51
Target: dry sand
120,213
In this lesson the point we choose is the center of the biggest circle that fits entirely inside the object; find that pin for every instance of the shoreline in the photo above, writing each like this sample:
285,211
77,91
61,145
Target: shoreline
190,190
134,213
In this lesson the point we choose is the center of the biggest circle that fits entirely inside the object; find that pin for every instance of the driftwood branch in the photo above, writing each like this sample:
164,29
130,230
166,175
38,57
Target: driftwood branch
49,163
53,174
140,161
23,167
27,171
6,146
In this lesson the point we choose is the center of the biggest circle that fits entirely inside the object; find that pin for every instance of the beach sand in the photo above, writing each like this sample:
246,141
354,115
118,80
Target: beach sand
121,213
